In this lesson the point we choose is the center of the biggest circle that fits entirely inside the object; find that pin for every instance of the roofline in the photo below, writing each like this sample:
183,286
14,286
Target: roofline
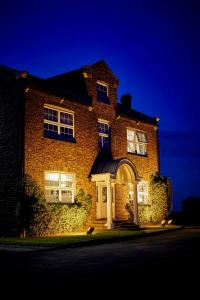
155,123
59,95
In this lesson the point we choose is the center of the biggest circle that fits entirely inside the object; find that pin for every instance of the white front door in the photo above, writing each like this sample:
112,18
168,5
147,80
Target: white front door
102,201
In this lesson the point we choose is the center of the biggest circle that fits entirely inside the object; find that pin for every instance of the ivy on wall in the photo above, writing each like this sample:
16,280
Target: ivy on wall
158,194
38,218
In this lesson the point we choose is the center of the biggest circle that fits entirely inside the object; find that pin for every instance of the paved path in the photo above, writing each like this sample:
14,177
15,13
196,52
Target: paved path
164,259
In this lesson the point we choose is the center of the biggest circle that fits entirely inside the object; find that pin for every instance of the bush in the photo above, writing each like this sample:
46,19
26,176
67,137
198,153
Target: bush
159,201
158,190
56,219
37,218
31,201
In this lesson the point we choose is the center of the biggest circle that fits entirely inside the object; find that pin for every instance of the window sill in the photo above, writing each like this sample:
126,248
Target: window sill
59,138
138,154
144,204
61,203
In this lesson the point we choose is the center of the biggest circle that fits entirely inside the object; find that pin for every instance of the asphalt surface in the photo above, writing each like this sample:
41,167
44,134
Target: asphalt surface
169,261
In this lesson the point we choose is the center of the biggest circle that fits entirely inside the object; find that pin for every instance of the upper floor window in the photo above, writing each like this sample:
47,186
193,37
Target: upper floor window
102,92
59,187
136,142
58,124
104,134
142,191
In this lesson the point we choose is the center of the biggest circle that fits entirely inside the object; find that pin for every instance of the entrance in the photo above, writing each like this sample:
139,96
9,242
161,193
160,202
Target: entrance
102,200
126,196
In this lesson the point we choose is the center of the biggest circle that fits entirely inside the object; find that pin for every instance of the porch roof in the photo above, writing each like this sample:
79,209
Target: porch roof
106,167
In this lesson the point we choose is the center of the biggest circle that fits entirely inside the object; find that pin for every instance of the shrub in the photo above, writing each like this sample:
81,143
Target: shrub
56,219
158,192
38,218
31,200
159,197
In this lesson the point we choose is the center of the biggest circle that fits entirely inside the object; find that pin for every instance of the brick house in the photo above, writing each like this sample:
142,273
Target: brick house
68,132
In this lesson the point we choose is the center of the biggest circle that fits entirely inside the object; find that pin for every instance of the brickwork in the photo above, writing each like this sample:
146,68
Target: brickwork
145,165
11,142
121,199
46,154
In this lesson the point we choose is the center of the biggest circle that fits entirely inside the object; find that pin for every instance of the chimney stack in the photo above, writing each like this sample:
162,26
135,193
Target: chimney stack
126,101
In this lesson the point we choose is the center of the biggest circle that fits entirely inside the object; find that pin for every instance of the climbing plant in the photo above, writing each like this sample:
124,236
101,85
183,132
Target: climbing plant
38,218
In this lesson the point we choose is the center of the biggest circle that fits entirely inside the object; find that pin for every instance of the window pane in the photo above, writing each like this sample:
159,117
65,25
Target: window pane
50,114
103,128
51,179
102,93
52,195
66,118
142,193
131,147
66,131
66,196
141,149
50,128
104,194
141,137
66,181
130,135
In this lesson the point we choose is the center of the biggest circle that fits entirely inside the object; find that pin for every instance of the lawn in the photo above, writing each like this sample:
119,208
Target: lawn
72,238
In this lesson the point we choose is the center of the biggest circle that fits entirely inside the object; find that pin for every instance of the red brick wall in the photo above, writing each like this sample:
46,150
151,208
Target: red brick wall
145,165
42,154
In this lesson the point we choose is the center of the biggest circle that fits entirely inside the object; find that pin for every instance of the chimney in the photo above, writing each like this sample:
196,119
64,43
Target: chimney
126,101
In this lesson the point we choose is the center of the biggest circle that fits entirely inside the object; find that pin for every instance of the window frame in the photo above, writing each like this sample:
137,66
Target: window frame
106,135
143,193
101,83
59,188
58,123
136,143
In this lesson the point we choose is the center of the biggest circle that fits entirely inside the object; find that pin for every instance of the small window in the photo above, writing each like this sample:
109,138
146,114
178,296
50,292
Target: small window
58,124
142,190
102,92
136,142
104,134
59,187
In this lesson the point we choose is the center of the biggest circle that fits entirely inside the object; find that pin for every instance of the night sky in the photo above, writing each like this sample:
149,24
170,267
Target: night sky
153,47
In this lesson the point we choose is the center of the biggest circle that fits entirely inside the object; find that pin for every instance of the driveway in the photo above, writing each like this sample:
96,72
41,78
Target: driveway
146,261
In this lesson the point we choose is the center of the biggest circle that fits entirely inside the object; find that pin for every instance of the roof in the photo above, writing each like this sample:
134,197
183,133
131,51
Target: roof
134,114
43,84
71,85
106,167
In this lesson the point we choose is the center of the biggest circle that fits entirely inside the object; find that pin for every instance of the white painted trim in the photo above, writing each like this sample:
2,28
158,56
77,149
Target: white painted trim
59,108
103,121
104,84
58,123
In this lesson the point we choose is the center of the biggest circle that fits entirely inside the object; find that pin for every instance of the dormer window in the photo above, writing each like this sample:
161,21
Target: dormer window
102,92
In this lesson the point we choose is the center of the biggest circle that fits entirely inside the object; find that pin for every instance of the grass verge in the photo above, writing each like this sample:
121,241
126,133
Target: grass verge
73,238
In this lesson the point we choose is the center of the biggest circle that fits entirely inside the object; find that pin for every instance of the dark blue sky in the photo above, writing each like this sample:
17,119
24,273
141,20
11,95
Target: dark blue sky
153,47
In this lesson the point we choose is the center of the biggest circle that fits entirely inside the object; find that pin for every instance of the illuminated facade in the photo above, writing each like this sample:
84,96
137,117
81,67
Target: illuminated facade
68,132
